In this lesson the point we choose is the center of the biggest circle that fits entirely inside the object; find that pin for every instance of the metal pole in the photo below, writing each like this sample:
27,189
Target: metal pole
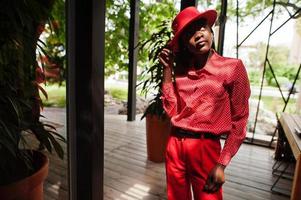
264,68
222,25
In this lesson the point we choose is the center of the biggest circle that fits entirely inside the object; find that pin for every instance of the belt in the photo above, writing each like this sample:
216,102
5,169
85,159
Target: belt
178,132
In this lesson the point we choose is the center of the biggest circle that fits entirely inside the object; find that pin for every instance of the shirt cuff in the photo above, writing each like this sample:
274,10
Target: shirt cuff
224,158
168,90
166,87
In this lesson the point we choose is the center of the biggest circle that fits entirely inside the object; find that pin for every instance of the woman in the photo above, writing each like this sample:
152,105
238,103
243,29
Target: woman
208,97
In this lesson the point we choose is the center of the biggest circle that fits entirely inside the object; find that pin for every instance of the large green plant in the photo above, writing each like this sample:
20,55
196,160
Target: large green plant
20,25
152,75
151,14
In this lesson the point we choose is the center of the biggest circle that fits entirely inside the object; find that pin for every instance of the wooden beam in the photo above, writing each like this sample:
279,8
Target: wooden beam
222,25
97,87
85,92
187,3
289,123
296,192
133,54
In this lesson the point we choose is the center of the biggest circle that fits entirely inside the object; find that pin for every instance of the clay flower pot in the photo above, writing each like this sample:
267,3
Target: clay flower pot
29,188
157,131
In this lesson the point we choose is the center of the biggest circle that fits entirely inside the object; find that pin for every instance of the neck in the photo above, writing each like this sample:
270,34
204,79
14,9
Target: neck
200,61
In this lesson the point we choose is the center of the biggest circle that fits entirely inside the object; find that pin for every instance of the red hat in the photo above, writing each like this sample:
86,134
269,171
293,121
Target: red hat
185,18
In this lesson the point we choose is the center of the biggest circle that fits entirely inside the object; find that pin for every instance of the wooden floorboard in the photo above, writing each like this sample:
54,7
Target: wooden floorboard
129,175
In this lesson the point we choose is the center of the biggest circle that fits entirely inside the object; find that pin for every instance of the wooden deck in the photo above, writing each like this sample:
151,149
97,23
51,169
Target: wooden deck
128,174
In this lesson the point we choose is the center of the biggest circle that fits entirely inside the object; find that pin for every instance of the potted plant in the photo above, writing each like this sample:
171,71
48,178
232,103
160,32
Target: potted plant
157,122
21,167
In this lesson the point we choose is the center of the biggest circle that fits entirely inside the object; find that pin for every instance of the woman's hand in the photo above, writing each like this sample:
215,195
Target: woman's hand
215,180
166,58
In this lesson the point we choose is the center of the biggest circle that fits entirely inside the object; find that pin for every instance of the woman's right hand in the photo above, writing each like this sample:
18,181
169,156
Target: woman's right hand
166,58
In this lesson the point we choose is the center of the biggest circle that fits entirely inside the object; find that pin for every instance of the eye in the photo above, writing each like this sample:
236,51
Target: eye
191,31
200,23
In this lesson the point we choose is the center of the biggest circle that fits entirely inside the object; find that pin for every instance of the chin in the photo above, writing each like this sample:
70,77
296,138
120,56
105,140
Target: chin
203,50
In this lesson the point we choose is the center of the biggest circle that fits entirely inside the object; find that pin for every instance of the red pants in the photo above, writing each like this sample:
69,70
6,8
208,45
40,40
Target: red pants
188,163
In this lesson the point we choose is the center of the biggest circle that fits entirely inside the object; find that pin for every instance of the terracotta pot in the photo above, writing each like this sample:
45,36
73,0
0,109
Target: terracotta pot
29,188
157,131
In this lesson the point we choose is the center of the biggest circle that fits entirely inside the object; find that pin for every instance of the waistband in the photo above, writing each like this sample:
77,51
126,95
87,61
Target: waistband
179,132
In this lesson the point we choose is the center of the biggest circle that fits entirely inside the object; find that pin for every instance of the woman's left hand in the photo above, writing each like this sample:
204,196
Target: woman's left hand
215,180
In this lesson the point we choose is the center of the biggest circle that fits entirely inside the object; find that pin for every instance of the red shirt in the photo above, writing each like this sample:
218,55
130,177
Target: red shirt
213,99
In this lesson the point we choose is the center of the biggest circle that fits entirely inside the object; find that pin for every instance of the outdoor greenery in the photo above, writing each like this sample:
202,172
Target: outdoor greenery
255,7
56,95
278,57
276,104
151,14
118,93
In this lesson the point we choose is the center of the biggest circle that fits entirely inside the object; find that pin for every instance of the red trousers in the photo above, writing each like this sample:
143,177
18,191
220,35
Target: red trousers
188,163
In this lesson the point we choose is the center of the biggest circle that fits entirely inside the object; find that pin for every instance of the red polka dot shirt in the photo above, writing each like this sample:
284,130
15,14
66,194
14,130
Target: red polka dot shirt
213,99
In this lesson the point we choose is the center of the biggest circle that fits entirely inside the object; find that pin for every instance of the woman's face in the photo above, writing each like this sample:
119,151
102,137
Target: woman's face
198,37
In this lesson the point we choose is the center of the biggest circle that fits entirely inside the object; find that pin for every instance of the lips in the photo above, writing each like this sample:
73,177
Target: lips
200,44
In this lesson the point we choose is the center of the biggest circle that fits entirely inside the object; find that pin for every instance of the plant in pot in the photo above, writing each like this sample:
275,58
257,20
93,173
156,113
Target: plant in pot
157,122
22,167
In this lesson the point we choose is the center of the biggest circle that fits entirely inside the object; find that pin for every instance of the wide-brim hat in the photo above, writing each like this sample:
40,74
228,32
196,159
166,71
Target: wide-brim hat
184,19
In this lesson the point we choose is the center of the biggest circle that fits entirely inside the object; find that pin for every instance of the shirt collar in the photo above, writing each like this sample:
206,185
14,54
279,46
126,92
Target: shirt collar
207,69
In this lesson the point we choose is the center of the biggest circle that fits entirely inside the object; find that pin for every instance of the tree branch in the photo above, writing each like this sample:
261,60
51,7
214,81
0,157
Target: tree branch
294,6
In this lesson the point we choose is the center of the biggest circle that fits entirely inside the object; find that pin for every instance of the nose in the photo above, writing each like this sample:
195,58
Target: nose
198,35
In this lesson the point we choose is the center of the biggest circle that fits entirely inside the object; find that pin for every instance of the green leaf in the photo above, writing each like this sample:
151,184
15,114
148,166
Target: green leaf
11,135
49,126
42,136
15,108
58,148
59,137
9,147
42,90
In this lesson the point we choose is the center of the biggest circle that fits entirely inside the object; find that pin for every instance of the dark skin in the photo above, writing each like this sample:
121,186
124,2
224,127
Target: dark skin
197,38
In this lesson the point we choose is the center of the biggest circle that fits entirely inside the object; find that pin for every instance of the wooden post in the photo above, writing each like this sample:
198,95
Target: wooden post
133,54
222,25
187,3
296,192
85,92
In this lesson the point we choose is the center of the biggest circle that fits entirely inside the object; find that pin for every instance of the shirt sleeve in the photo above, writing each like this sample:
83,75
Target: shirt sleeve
169,99
239,93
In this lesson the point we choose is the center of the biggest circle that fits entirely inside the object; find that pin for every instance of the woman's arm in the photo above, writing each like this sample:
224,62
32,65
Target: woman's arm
169,98
239,96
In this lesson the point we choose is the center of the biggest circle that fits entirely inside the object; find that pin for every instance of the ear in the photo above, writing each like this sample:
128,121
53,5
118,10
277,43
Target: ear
211,30
212,35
